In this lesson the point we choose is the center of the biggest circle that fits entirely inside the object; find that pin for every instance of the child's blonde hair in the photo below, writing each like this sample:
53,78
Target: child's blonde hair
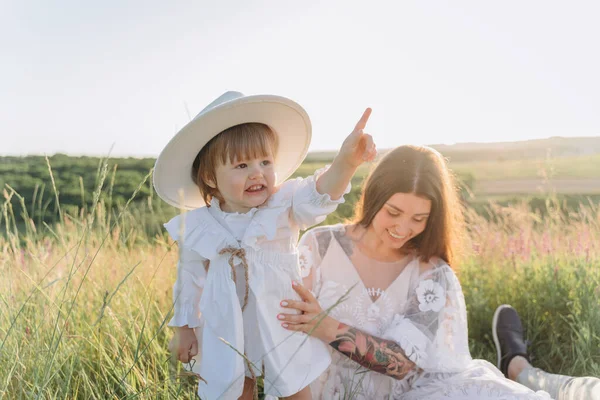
240,142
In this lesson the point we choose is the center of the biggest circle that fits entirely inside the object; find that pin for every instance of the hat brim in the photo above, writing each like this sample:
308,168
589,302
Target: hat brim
172,171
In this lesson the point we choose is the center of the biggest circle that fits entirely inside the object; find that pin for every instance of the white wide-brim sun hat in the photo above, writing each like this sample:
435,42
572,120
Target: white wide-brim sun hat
173,169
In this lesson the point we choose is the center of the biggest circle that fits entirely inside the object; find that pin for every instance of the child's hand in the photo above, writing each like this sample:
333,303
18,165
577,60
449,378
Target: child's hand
184,344
356,149
358,146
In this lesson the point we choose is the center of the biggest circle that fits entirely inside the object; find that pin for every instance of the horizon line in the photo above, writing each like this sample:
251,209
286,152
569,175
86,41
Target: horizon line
316,151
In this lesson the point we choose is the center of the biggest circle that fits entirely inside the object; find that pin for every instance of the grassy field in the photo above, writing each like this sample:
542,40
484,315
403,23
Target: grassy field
575,167
572,174
84,303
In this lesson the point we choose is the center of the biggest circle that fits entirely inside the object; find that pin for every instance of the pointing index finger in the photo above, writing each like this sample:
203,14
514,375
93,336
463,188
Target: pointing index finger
362,122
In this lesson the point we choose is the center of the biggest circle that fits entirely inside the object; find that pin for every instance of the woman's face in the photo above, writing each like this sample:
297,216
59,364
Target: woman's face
401,218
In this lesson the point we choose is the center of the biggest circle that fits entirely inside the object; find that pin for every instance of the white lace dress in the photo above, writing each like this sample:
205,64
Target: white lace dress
423,310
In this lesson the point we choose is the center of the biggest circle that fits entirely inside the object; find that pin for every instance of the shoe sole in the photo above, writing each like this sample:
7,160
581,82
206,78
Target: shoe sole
495,333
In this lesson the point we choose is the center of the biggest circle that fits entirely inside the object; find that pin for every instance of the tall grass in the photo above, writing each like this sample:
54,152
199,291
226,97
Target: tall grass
549,270
84,303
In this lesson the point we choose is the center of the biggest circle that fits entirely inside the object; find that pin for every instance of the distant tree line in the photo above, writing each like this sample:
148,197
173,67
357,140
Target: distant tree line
76,179
79,181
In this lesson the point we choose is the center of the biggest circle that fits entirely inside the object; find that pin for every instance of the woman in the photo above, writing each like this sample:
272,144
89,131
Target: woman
385,298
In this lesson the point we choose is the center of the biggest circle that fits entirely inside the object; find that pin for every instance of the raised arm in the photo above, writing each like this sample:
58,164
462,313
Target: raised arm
356,149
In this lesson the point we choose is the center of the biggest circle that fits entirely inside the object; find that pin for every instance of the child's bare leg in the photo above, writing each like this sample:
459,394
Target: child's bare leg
304,394
248,393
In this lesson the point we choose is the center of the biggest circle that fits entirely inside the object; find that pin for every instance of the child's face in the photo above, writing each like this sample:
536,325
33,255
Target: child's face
245,184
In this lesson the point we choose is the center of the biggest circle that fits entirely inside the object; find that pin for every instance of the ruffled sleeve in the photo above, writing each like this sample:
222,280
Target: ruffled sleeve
309,207
191,276
433,330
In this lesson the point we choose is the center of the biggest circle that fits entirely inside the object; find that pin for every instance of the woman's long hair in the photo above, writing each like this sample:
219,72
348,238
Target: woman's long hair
421,171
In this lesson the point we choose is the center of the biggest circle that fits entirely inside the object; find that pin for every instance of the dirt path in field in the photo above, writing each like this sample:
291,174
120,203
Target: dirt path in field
532,186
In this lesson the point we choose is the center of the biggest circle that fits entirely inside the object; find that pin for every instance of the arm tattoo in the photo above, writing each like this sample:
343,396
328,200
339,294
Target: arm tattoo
379,355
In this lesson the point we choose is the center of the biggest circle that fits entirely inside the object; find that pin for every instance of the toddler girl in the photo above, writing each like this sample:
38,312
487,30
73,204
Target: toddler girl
238,254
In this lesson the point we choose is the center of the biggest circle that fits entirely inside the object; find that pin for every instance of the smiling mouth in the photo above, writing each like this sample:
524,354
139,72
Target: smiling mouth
392,234
255,188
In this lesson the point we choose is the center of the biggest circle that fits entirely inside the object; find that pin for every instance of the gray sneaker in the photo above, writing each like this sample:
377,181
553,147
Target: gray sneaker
508,333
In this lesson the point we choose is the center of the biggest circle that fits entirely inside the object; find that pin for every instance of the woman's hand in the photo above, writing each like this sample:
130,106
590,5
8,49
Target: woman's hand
380,355
184,344
311,320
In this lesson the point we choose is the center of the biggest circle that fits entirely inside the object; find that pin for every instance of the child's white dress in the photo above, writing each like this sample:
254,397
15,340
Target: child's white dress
211,301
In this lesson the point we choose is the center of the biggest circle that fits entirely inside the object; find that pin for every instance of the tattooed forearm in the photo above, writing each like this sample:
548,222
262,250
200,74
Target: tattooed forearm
379,355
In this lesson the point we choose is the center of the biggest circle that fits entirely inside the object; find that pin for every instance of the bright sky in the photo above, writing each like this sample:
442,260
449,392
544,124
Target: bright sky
79,76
